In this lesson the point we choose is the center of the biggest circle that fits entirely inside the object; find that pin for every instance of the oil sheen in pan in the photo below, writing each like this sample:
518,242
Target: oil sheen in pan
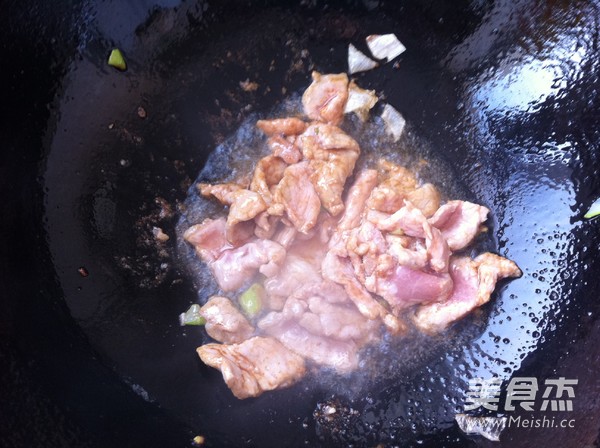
234,160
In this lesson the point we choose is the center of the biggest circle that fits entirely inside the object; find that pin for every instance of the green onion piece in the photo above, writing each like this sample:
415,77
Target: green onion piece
251,300
117,60
192,316
594,210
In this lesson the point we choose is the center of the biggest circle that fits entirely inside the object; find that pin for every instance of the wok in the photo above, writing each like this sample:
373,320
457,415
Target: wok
504,93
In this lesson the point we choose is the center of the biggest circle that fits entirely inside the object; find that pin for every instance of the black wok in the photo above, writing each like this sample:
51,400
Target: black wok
506,96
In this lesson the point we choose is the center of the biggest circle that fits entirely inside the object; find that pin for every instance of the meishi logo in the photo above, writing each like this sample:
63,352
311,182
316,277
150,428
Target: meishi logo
554,395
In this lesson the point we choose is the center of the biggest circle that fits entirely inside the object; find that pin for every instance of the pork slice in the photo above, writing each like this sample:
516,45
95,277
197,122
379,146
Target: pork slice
224,321
459,222
396,182
404,287
320,139
324,309
256,365
224,193
244,206
407,252
437,248
332,155
265,226
426,198
410,221
296,193
284,149
295,273
339,320
407,220
325,99
340,355
285,236
208,238
366,238
330,177
340,270
235,267
267,174
328,290
356,199
474,281
282,126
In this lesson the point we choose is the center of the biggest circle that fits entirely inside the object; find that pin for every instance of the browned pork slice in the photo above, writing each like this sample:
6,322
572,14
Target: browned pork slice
459,222
395,182
332,154
407,220
410,221
426,198
320,139
265,226
296,193
339,269
284,149
267,174
244,206
224,321
282,126
254,366
437,248
234,267
407,251
474,282
325,99
356,199
208,238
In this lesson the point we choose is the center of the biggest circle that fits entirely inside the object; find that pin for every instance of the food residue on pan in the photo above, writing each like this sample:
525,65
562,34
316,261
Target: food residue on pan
321,254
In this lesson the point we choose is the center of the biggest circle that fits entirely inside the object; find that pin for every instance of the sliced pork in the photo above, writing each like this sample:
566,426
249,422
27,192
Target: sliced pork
208,238
426,198
256,365
282,126
328,332
337,266
284,149
459,222
268,173
332,155
244,206
356,199
224,321
235,267
404,287
298,197
395,183
294,273
474,282
325,99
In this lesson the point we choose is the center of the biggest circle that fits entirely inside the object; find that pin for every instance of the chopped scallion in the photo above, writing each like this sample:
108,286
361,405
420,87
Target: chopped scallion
192,316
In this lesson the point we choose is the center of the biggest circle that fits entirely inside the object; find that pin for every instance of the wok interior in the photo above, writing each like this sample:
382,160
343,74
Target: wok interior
515,149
